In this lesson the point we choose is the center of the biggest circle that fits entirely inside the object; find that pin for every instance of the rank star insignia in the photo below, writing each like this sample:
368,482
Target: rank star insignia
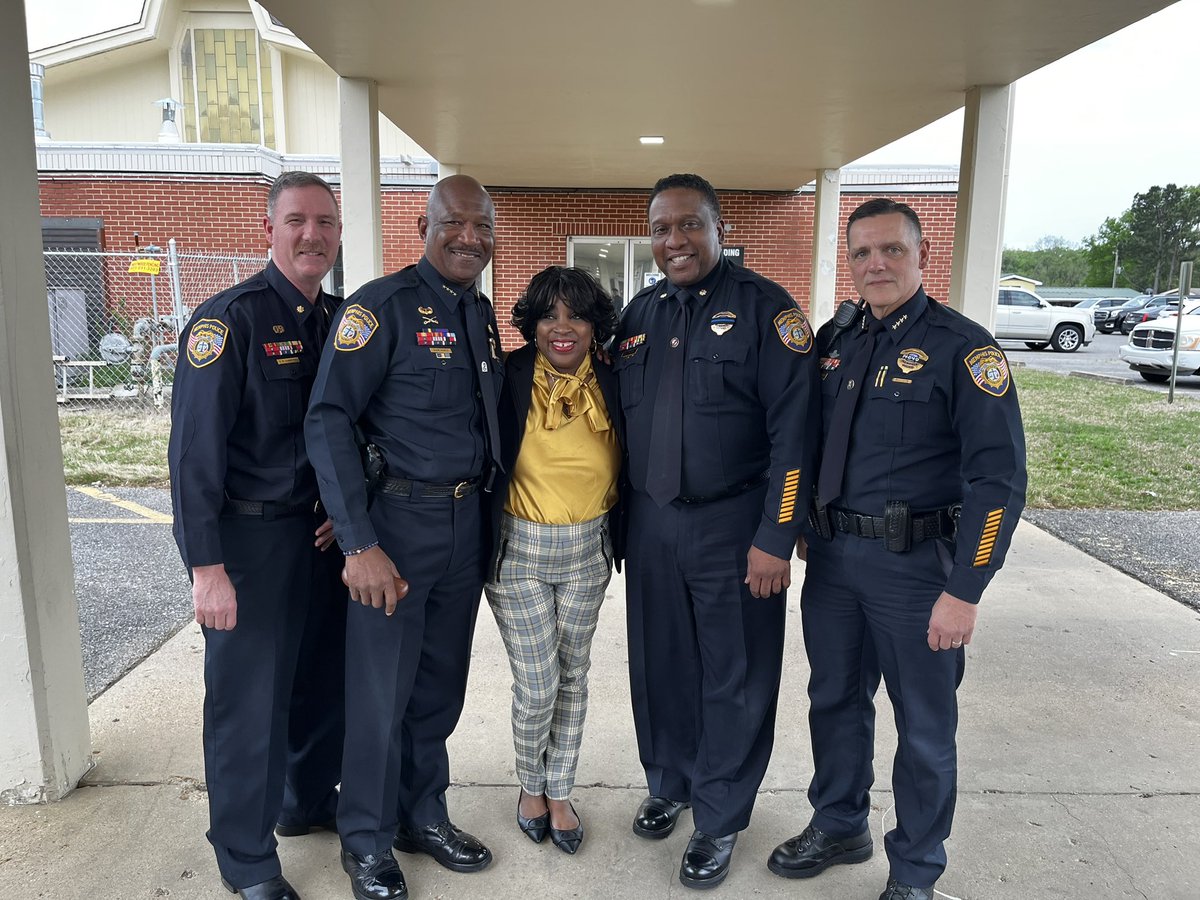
206,342
357,325
723,321
989,370
794,331
911,360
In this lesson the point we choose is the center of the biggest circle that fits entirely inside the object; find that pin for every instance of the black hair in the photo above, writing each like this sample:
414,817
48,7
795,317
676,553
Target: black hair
882,206
579,290
691,183
294,180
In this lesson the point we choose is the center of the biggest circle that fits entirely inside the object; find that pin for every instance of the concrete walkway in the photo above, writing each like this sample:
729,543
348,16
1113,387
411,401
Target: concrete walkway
1079,752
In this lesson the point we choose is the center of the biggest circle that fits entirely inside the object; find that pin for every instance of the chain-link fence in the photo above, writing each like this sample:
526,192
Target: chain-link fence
115,320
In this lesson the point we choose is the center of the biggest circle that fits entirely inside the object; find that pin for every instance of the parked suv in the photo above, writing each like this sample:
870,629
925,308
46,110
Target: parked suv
1022,315
1111,319
1147,313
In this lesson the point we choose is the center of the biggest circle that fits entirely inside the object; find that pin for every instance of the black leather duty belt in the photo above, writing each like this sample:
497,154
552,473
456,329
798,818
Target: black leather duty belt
403,487
734,491
940,523
267,509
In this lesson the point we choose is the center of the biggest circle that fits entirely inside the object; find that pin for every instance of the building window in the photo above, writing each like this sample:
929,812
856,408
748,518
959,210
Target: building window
227,92
623,266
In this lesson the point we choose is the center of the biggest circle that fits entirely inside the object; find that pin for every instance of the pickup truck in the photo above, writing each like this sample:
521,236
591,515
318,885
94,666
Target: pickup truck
1022,315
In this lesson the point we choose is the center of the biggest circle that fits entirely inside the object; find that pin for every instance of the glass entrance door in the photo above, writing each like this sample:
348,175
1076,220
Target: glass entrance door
623,266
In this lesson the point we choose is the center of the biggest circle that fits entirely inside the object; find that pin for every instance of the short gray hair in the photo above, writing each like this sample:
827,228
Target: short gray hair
295,180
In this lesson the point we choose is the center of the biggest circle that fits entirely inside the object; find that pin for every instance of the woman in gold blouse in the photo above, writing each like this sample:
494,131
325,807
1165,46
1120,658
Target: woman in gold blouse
553,540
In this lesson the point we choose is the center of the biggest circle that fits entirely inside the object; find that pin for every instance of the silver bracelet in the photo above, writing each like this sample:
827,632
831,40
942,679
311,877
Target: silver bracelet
358,550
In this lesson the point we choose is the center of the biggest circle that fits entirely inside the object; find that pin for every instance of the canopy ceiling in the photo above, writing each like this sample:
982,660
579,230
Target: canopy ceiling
753,94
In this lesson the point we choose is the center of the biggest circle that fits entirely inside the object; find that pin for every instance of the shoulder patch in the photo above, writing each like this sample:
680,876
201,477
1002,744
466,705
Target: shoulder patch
794,331
989,370
357,325
206,342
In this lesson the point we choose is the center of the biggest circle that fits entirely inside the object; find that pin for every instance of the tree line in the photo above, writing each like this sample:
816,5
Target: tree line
1141,248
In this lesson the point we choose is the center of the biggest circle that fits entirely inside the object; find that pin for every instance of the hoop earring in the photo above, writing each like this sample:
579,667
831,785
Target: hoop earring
595,348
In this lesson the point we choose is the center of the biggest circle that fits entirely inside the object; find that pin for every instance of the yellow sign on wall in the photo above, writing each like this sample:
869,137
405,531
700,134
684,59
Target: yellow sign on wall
145,267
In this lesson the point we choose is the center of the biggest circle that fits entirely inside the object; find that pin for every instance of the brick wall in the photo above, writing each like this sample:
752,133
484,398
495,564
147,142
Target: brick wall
224,215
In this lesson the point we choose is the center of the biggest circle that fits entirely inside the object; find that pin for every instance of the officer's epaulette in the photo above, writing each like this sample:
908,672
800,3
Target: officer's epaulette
217,305
947,317
383,289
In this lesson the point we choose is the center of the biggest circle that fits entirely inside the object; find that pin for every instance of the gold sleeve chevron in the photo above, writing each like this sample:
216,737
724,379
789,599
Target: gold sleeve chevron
787,502
987,540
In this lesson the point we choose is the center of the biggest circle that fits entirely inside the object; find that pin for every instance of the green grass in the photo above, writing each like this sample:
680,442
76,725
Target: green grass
114,449
1091,444
1096,445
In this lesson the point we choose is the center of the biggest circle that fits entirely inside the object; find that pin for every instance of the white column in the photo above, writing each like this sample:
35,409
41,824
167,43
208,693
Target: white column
45,746
362,223
982,191
822,293
445,170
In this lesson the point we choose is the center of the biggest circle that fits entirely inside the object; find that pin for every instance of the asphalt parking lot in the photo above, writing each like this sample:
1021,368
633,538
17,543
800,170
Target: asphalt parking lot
1099,359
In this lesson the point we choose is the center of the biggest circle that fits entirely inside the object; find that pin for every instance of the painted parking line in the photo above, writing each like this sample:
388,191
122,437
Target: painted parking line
147,516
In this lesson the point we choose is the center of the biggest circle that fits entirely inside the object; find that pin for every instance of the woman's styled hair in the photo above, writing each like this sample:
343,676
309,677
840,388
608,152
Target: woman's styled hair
577,289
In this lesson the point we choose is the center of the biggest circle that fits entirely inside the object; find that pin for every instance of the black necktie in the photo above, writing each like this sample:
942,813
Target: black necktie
477,318
837,443
666,434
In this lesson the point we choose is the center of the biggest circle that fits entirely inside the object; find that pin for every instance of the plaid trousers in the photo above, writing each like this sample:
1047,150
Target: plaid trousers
545,592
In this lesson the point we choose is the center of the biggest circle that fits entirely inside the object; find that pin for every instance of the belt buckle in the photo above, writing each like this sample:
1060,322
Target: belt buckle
460,489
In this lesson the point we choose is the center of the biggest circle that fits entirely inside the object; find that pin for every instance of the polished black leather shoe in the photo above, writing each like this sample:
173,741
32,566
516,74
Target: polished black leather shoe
812,851
706,860
374,877
275,888
568,839
656,817
535,828
283,830
452,848
898,890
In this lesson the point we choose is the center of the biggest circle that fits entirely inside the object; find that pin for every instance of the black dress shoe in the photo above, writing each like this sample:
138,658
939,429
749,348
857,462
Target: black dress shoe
454,849
656,817
535,829
568,839
374,877
275,888
706,860
898,890
812,851
283,830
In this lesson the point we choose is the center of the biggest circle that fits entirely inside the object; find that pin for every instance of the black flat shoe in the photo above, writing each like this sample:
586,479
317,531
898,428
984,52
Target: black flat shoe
568,839
283,830
656,817
374,877
706,860
535,829
446,843
275,888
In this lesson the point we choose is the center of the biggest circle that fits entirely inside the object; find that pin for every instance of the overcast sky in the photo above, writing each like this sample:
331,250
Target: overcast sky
1089,131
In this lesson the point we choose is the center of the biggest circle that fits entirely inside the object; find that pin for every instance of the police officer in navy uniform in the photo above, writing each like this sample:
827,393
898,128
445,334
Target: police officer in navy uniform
717,376
414,363
921,483
245,501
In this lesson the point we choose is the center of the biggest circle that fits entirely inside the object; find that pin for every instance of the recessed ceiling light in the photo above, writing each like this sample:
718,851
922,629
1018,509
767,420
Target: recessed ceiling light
652,139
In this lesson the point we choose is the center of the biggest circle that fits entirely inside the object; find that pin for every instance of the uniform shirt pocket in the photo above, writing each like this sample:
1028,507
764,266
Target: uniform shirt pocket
287,378
714,367
905,411
631,377
432,383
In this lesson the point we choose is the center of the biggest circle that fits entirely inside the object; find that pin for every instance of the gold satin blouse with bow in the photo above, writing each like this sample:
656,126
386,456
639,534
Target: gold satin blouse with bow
566,469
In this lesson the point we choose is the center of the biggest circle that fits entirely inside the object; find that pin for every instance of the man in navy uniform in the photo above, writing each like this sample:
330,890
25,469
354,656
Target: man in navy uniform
922,481
718,381
245,502
414,364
